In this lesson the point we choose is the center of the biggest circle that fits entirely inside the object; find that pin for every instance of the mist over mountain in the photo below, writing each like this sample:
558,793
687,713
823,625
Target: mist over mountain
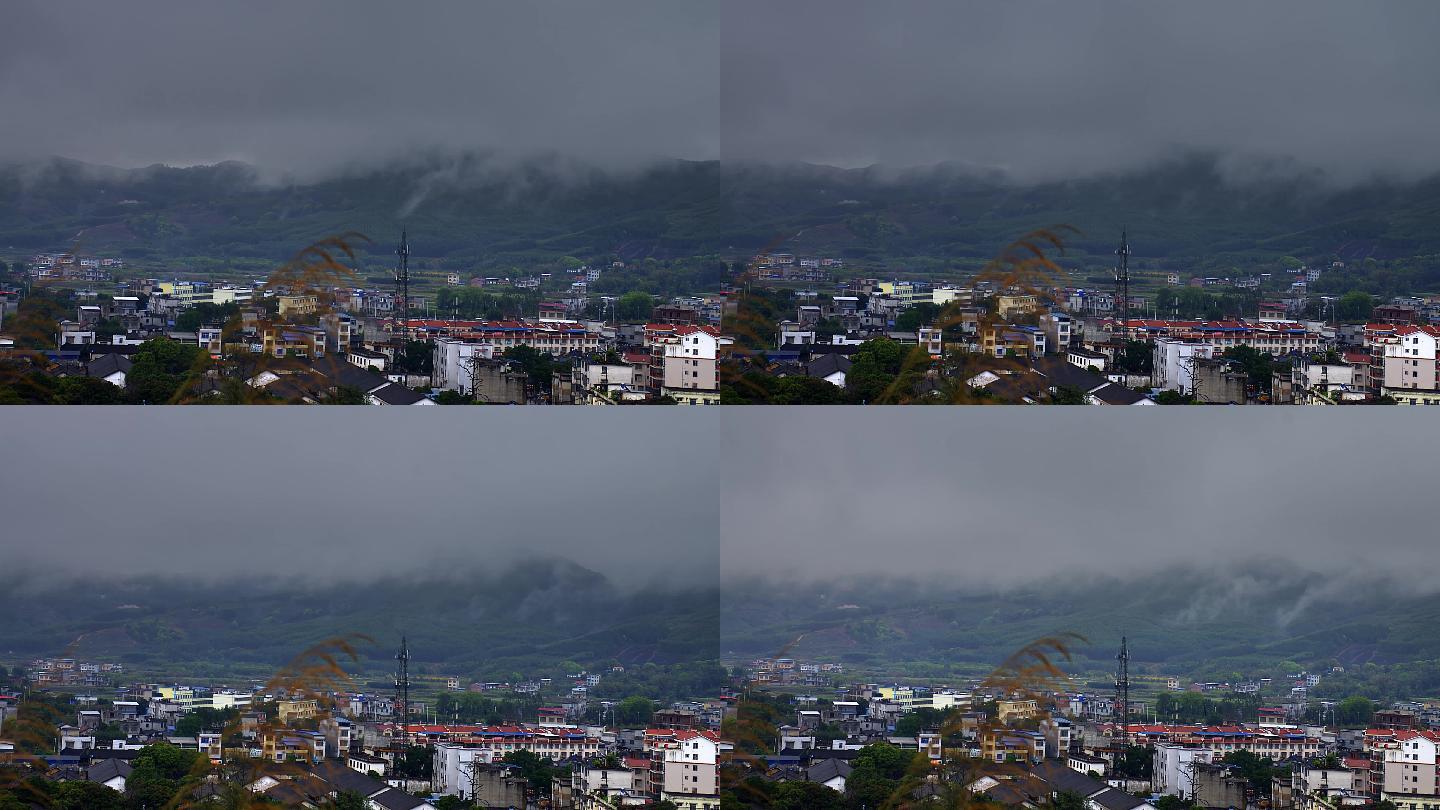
477,210
1198,620
482,620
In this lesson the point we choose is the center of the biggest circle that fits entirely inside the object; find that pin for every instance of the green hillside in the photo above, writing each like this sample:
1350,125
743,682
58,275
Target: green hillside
470,213
1183,623
535,619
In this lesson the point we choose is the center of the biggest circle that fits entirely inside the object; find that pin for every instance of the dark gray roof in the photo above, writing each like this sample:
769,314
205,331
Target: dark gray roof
828,364
393,394
343,778
1064,778
828,769
1116,799
396,799
342,372
107,769
107,364
1112,394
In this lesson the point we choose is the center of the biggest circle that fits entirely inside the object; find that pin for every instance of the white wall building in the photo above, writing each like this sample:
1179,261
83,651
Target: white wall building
452,763
452,361
1174,360
1173,768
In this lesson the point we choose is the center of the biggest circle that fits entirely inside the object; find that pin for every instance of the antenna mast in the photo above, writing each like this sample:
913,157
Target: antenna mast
402,692
1122,693
1122,288
402,294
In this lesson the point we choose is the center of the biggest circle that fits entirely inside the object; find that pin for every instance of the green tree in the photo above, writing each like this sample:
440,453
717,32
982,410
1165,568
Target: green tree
1168,802
107,329
874,367
1354,711
416,357
537,365
350,800
1168,397
634,306
799,390
537,770
922,314
1257,769
884,759
1136,762
1137,357
634,710
88,391
804,796
36,322
165,760
1257,365
160,369
1354,306
417,763
82,795
344,395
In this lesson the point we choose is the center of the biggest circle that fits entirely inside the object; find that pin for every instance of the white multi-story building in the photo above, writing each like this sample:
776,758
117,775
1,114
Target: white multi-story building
1404,365
451,359
1174,768
687,771
683,363
1407,772
452,764
1174,361
931,339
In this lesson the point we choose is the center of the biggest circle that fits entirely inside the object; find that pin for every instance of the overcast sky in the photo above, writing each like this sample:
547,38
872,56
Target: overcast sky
1041,89
347,493
1000,496
299,85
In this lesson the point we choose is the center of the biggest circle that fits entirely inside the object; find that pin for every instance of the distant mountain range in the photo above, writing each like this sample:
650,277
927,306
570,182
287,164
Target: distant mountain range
534,616
1180,622
472,211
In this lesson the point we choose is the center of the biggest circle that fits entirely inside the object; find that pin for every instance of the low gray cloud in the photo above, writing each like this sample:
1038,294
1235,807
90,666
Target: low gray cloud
313,86
996,497
1054,89
345,494
1041,89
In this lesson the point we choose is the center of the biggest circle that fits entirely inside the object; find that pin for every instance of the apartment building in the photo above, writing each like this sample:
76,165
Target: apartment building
1404,366
1403,770
1271,337
684,770
553,338
683,363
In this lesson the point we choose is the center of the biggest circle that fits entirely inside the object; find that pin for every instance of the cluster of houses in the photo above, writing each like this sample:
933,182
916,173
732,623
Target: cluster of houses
347,338
71,267
1069,338
793,672
1027,749
71,672
789,267
314,748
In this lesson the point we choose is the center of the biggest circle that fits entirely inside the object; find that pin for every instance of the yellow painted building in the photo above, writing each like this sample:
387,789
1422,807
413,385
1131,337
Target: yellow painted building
1007,711
288,710
297,305
1008,306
